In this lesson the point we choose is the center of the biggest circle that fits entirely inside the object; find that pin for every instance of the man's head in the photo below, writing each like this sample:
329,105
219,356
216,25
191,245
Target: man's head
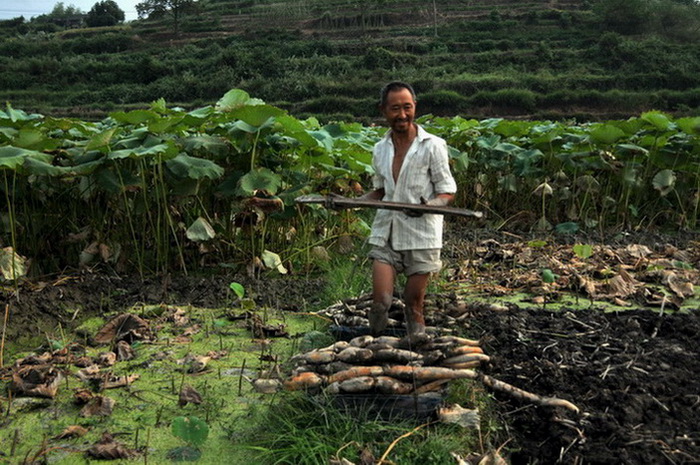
398,105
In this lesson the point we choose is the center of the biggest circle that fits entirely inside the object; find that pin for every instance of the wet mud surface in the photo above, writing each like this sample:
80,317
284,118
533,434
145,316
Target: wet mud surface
633,374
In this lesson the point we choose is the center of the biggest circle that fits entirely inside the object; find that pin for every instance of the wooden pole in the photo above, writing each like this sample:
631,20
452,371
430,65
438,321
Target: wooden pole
331,201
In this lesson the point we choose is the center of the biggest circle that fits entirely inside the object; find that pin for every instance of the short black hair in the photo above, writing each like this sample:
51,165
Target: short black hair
391,87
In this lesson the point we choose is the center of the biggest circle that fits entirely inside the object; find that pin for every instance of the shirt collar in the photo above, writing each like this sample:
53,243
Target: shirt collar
421,134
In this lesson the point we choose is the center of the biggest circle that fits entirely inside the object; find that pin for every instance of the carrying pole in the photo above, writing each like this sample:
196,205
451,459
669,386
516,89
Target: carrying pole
339,202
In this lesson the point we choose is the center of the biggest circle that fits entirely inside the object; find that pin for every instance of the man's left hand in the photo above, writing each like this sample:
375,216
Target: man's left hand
436,202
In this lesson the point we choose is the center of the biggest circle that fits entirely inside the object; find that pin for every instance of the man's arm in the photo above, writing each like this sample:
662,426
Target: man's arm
377,194
441,200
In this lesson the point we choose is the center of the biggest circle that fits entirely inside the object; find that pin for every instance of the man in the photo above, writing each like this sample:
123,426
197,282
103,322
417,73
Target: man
410,166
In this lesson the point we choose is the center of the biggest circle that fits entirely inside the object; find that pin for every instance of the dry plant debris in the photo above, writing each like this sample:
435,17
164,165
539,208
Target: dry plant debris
125,327
189,395
98,406
107,448
632,274
72,431
36,381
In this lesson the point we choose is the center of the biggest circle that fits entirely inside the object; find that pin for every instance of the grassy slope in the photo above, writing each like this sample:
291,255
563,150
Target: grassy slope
329,58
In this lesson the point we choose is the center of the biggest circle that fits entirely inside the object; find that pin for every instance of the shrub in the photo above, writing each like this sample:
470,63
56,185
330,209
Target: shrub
442,102
329,104
516,99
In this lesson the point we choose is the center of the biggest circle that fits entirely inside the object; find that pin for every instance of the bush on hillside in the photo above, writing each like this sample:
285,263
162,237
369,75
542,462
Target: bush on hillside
442,102
506,99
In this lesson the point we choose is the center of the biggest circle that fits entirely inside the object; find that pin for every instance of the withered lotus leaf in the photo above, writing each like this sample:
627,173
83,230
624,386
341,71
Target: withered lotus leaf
72,431
125,351
36,381
106,359
109,449
124,327
99,406
189,395
119,381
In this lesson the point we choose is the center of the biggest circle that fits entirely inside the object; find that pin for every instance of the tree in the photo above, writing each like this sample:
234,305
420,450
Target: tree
61,15
104,13
174,8
60,11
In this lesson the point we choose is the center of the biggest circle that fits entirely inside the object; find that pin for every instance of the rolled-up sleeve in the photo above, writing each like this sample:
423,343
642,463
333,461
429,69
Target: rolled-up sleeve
440,174
377,160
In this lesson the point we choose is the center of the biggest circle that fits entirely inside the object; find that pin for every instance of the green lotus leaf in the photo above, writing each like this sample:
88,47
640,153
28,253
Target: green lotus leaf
689,125
114,180
202,113
657,119
512,128
232,99
324,138
261,179
41,168
35,140
192,430
257,115
159,105
525,160
101,140
14,157
138,152
293,128
134,117
211,144
606,134
17,115
185,166
165,123
488,142
8,133
509,148
567,228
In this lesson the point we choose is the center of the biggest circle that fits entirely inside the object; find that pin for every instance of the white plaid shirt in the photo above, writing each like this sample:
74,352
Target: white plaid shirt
425,173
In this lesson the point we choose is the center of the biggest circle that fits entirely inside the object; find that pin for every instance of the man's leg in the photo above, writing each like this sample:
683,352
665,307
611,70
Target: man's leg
383,276
414,296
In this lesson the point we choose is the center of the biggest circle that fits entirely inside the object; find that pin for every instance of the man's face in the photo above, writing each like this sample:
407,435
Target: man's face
400,109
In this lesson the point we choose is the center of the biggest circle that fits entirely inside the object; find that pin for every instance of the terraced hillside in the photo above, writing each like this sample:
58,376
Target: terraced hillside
554,59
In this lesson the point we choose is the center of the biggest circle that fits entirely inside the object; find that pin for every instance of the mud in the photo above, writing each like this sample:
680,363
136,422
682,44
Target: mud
40,306
634,374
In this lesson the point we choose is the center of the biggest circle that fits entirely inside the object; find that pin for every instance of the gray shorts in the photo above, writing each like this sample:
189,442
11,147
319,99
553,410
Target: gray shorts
410,262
